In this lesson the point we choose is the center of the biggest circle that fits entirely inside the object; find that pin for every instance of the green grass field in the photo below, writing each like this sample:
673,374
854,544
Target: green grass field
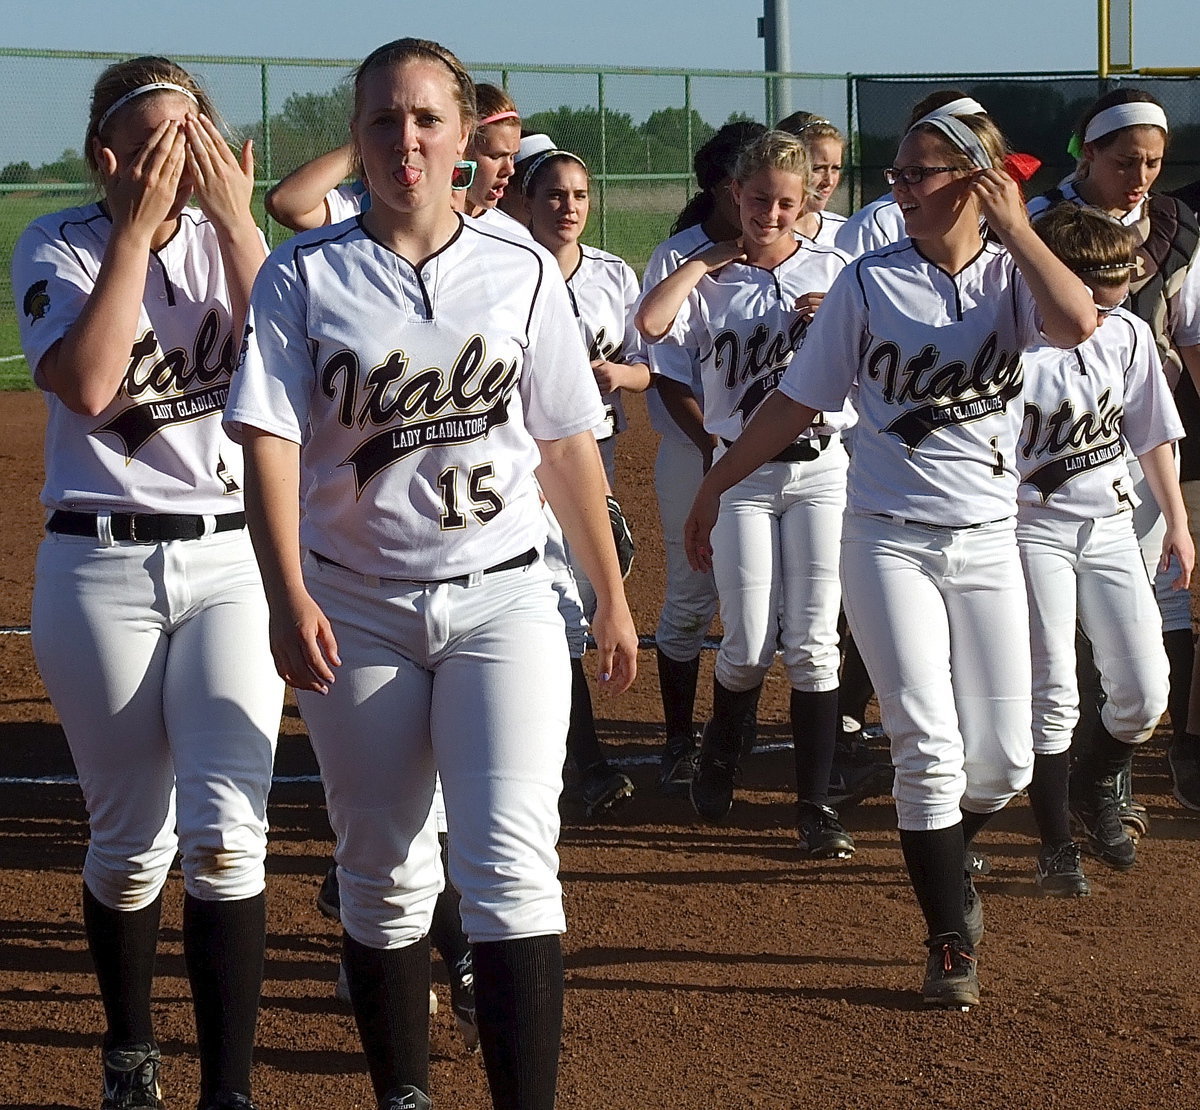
638,217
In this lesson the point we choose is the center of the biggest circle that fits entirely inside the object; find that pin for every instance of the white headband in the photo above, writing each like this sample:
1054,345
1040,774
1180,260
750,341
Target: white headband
1136,113
156,86
545,156
534,144
963,106
811,123
960,135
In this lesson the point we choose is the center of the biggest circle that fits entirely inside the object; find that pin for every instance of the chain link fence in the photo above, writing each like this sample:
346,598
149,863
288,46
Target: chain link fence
637,128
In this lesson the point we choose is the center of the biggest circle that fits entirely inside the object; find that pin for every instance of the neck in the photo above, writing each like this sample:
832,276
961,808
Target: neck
1087,190
718,230
162,233
567,255
952,251
809,224
412,235
773,253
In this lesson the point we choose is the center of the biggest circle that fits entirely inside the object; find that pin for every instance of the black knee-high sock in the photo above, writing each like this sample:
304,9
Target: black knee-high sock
1105,755
1181,650
446,931
583,745
971,824
814,734
223,947
730,707
934,859
389,989
856,689
1048,798
122,944
677,685
519,1003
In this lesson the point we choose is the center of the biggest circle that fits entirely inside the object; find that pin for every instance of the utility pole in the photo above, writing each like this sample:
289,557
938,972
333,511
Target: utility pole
773,29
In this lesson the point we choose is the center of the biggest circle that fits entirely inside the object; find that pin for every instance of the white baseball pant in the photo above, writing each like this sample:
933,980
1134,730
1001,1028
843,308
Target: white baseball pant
775,562
690,597
1150,526
1091,572
158,663
566,585
469,679
940,617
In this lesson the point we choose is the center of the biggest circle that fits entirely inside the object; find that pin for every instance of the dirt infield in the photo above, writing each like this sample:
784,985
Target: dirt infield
706,967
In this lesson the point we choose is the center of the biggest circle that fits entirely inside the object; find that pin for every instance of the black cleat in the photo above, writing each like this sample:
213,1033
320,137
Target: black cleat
329,897
604,788
951,980
1184,758
405,1098
712,785
1060,872
821,834
1132,813
1095,805
131,1078
677,764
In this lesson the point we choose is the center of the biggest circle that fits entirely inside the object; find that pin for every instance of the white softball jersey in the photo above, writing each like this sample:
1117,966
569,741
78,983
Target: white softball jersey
1082,407
418,428
875,225
603,290
665,259
1183,307
829,224
746,329
346,201
159,446
938,362
495,219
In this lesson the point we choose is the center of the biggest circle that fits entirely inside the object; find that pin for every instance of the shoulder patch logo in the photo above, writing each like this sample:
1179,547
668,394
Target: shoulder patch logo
36,300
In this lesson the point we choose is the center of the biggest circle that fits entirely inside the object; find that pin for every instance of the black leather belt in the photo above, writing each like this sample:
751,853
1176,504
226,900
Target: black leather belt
803,450
516,562
141,527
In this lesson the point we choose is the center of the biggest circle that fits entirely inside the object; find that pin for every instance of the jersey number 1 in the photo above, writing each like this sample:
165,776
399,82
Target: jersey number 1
485,503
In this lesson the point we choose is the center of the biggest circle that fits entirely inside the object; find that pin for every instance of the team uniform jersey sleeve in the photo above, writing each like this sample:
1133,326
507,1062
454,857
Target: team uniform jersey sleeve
1184,307
51,285
1150,417
345,202
823,371
273,385
558,390
666,359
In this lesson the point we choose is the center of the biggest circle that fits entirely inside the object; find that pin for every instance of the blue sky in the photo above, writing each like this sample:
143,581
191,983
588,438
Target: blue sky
45,105
909,35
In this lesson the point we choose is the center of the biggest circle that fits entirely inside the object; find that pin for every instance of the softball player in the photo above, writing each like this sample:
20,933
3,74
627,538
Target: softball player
777,535
1120,143
149,621
1079,550
684,453
602,289
494,146
932,331
411,401
825,145
512,203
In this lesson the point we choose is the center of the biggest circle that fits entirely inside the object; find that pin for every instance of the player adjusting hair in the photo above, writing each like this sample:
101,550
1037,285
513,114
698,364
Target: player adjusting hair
1091,243
130,80
713,165
773,150
409,49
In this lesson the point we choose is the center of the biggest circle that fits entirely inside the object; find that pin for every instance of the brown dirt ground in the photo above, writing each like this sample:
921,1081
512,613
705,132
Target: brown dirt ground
706,967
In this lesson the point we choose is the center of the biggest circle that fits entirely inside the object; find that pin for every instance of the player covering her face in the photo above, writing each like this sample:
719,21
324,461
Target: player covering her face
390,698
960,736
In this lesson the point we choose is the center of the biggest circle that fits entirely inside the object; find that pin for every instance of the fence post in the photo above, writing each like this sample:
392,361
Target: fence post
855,148
267,170
691,139
603,163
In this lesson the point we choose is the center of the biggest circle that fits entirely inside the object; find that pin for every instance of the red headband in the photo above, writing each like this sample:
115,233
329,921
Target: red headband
498,117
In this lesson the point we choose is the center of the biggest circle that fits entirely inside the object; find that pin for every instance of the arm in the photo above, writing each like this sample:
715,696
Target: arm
224,187
778,422
631,376
1158,464
302,642
661,304
1064,302
684,409
86,368
298,201
572,478
1191,363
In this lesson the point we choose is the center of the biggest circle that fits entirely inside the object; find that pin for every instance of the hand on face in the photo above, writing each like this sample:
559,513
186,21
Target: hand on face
223,184
142,192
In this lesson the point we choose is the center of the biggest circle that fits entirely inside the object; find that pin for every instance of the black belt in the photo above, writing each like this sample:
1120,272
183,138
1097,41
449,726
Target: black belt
516,562
803,450
141,527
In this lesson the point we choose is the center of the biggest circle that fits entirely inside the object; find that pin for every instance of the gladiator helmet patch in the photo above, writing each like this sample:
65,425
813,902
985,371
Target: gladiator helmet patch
36,300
